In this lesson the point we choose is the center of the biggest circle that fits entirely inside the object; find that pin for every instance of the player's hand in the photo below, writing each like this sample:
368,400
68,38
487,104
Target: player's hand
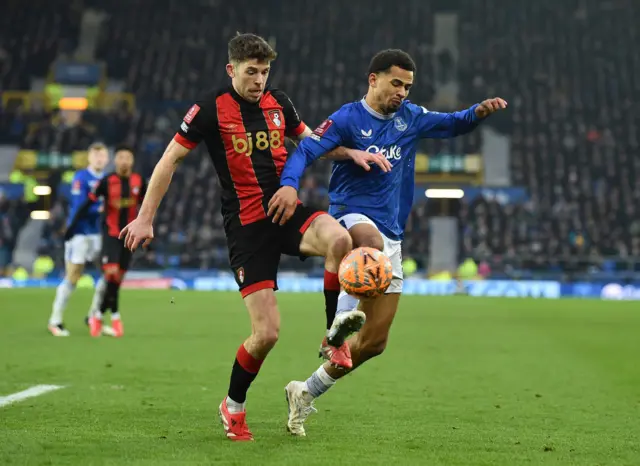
365,159
137,232
283,204
489,106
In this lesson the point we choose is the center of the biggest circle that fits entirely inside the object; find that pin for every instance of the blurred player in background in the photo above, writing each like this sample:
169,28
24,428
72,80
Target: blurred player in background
373,206
82,236
122,193
244,126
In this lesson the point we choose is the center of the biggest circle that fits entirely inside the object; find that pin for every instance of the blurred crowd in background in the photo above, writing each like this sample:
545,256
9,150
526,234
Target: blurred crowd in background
567,69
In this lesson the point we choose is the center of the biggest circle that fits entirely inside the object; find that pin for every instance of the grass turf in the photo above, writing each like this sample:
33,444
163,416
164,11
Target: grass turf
464,381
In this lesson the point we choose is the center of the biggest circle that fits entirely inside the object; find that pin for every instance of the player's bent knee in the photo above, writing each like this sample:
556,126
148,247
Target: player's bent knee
340,245
73,273
372,348
265,320
367,238
73,278
266,338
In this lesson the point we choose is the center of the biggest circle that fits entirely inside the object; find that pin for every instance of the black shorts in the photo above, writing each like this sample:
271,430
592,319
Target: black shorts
114,253
255,249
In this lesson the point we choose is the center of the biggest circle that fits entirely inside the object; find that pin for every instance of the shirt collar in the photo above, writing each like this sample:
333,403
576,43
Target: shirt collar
95,173
374,113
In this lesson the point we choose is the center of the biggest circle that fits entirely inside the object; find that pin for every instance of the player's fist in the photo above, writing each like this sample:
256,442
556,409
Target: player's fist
137,232
283,204
365,159
489,106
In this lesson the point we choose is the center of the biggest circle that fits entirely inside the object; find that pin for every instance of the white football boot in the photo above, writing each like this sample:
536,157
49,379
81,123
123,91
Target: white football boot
300,406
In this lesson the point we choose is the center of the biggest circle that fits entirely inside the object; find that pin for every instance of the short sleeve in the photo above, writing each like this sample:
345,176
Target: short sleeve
294,126
200,120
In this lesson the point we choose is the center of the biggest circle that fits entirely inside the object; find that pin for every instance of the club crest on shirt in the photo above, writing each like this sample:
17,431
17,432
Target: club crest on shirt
399,124
275,117
135,190
240,273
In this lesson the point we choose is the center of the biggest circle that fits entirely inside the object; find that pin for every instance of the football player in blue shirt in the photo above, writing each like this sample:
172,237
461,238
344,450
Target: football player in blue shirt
85,239
373,205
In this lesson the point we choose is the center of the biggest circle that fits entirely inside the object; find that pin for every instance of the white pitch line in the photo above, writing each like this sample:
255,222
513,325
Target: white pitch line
30,392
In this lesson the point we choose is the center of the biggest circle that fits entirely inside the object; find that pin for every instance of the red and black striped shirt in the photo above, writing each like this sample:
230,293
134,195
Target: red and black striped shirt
122,196
246,144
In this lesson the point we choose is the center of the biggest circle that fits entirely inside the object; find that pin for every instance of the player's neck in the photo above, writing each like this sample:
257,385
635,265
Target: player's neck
374,105
94,172
242,96
124,173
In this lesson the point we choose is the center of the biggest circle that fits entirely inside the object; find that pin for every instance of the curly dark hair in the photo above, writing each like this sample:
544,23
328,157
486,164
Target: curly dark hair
249,46
385,59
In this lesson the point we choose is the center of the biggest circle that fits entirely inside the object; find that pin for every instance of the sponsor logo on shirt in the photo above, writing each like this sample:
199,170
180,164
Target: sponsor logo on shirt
184,127
390,153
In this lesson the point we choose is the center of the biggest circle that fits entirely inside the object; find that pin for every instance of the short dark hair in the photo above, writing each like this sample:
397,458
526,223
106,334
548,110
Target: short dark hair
385,59
124,147
250,46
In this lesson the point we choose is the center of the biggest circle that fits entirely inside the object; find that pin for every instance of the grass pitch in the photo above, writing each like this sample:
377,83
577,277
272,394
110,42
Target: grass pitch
464,381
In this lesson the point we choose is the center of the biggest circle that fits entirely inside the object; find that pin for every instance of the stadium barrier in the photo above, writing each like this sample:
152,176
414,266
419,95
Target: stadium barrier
297,283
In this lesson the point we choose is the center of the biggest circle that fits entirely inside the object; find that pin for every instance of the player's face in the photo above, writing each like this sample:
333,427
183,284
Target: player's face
98,159
124,161
391,88
249,78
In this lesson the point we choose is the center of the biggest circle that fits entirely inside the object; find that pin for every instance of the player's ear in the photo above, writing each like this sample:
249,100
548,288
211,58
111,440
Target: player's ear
231,70
373,79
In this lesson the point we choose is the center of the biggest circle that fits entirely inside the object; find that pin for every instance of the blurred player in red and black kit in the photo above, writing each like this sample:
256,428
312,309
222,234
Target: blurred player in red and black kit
244,126
122,192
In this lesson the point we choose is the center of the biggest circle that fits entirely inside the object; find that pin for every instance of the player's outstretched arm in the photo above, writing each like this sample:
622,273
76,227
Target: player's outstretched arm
448,125
359,157
141,229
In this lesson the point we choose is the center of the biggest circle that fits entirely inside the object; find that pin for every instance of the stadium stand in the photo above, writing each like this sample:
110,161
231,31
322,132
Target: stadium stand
13,214
574,131
566,69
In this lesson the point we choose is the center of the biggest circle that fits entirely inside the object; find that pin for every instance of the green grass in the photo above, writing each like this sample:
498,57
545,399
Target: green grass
465,381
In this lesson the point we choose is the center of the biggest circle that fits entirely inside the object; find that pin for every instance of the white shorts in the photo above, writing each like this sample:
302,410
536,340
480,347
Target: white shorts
392,249
82,249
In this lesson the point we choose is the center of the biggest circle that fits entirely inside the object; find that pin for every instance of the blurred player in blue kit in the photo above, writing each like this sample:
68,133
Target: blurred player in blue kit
373,205
84,243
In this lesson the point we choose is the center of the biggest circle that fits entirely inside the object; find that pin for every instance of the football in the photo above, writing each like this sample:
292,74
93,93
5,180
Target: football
365,273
